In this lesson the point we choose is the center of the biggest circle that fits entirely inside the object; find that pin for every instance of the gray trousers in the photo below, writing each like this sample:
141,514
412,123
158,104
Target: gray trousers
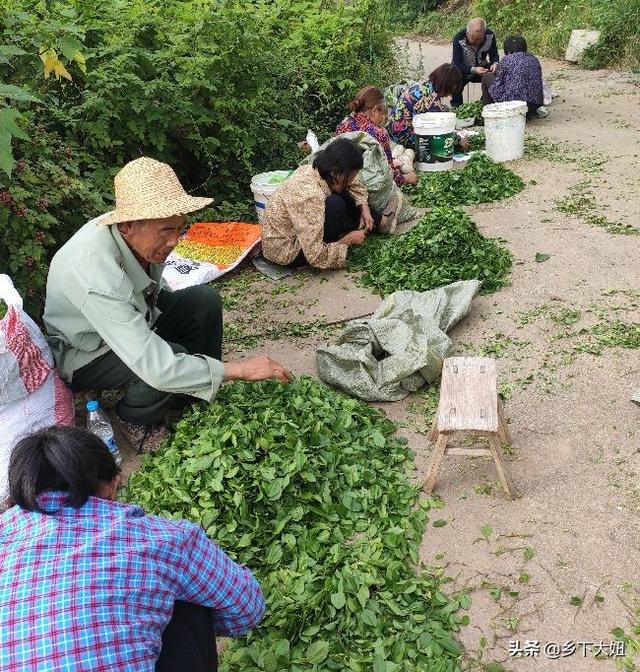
191,321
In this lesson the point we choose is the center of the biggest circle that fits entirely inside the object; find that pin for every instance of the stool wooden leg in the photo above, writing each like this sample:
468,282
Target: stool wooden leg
433,432
438,454
503,430
494,444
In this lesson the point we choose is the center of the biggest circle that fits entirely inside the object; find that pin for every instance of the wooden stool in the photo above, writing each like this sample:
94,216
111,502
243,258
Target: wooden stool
469,405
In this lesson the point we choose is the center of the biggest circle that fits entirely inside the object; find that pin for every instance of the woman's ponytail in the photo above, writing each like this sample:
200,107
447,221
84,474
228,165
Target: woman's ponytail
366,99
70,459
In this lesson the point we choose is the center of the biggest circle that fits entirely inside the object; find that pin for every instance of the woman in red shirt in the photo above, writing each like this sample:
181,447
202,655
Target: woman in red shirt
368,113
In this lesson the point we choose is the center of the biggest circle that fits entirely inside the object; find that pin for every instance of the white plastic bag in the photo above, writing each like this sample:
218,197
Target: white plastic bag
32,394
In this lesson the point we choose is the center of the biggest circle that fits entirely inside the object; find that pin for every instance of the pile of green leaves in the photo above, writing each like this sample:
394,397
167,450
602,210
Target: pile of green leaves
477,141
469,110
482,180
3,309
308,488
445,246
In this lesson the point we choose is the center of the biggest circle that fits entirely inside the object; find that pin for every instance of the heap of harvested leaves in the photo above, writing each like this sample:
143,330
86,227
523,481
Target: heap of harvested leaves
469,110
482,180
445,246
309,489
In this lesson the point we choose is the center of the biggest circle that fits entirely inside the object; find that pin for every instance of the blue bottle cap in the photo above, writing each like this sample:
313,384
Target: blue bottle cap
93,405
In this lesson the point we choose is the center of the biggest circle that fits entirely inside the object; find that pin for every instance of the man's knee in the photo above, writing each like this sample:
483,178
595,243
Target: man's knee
203,298
335,207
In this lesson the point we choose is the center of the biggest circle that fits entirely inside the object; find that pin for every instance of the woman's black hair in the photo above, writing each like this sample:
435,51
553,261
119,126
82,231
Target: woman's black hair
446,79
340,158
70,459
514,43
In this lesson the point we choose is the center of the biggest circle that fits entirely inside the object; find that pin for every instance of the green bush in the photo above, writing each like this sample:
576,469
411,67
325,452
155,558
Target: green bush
219,90
51,194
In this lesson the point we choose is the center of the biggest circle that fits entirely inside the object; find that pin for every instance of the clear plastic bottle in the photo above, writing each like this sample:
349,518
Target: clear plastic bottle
98,423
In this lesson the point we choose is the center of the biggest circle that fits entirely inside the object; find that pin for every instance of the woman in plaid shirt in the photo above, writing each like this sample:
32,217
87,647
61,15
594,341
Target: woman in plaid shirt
91,585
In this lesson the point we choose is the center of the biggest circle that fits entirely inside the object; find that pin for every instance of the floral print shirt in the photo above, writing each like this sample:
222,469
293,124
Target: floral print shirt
417,99
519,77
360,122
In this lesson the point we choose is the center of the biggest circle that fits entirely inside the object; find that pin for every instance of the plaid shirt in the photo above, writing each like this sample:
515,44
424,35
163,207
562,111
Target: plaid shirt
92,589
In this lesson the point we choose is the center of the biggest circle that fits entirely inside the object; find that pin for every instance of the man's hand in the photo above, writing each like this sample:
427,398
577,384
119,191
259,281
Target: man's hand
256,368
479,70
494,67
354,237
366,220
411,178
464,144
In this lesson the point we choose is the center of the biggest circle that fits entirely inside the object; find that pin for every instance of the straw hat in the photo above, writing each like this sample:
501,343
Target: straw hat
149,189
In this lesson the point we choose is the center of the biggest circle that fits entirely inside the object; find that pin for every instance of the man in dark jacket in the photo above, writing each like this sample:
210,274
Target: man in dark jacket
475,52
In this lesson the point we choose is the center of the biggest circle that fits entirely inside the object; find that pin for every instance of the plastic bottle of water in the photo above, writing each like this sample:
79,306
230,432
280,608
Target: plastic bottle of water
98,423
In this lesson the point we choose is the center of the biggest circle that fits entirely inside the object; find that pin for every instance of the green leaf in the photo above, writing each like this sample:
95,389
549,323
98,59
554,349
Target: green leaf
9,129
575,601
528,553
69,47
317,652
486,531
379,663
368,618
338,600
540,256
11,50
17,93
282,648
619,634
441,522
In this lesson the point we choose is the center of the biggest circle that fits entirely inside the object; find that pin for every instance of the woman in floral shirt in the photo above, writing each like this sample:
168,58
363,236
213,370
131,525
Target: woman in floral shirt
445,80
368,112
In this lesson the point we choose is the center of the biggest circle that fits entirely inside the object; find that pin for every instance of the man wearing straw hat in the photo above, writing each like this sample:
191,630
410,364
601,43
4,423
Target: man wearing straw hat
112,322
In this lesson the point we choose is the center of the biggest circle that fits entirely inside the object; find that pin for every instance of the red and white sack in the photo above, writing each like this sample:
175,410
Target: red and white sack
32,394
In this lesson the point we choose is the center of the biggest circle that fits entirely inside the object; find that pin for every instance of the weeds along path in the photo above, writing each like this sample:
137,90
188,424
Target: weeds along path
560,563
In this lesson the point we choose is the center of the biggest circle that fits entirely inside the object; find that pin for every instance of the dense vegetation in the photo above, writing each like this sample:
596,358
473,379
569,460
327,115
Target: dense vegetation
547,25
220,90
308,488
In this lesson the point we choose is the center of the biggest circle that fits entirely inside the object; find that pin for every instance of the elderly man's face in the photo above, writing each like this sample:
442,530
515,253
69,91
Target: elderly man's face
475,36
152,240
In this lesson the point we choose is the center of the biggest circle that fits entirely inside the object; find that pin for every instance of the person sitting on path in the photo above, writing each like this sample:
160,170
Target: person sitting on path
320,211
475,52
87,583
519,77
368,113
113,323
423,97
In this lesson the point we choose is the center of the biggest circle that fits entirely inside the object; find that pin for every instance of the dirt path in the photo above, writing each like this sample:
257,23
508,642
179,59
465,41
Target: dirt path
574,532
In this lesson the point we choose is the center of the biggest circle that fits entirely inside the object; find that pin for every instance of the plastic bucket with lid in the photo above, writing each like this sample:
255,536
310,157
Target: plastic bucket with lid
504,129
264,186
435,137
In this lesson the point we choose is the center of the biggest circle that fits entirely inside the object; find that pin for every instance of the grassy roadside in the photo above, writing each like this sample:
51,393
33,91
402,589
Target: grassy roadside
547,26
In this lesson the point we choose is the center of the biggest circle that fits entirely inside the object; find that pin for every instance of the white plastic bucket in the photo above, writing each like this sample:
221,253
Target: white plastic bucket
435,137
264,186
504,130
